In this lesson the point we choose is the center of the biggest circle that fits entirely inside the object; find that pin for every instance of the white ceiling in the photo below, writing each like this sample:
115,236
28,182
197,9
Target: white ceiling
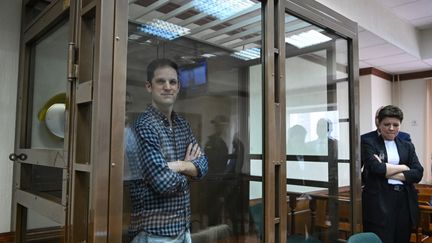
416,12
377,52
395,36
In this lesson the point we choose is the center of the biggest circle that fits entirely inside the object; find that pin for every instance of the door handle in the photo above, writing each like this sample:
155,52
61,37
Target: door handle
22,157
12,157
15,157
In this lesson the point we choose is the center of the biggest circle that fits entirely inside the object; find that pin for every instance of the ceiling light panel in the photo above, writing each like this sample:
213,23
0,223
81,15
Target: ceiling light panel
305,39
164,29
248,54
221,9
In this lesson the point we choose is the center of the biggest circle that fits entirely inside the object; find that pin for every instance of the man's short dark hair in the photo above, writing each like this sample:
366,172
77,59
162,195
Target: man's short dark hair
390,111
158,63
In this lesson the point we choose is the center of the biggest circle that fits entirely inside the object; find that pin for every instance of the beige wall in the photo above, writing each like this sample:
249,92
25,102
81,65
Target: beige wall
366,121
374,92
412,100
10,15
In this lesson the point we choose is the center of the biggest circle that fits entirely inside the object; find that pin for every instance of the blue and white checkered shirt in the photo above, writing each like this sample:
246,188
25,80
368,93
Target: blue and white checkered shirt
159,196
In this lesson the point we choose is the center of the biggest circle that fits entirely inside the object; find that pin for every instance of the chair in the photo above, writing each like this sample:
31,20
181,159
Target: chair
368,237
302,239
424,227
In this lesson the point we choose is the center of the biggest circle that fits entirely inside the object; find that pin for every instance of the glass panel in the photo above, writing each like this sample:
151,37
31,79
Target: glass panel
48,87
220,75
42,229
317,132
33,8
43,181
341,61
38,221
344,141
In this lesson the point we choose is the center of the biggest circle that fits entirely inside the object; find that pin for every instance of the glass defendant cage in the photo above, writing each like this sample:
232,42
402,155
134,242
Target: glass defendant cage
239,67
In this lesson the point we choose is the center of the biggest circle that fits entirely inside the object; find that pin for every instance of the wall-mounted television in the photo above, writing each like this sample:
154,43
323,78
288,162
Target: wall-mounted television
194,76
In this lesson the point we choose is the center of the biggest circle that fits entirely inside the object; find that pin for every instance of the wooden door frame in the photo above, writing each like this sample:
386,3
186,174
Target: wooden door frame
99,177
115,224
312,12
105,166
275,211
52,15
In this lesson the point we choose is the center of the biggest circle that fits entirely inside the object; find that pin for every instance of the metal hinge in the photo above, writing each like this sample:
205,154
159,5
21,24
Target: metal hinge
277,162
72,67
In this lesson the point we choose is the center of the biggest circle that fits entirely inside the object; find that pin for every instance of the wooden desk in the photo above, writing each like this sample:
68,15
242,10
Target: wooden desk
424,227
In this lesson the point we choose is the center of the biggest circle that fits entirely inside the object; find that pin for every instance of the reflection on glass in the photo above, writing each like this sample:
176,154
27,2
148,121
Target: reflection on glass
33,9
307,38
317,121
312,132
220,98
49,87
55,119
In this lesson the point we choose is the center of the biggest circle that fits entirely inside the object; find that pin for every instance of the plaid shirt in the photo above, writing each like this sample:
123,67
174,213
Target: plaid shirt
159,196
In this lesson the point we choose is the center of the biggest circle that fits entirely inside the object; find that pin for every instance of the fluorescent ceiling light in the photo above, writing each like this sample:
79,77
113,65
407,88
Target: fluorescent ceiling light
163,29
222,9
208,55
248,54
309,38
134,37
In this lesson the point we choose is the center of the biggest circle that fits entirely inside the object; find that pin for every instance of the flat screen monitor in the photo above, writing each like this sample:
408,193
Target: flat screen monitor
193,76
